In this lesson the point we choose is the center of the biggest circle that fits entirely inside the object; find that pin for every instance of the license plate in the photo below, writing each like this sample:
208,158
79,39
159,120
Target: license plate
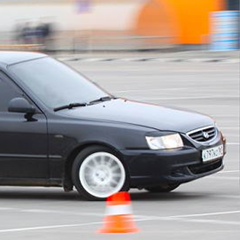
212,153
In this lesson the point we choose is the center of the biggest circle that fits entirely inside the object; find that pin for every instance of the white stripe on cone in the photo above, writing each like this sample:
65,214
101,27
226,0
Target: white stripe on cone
118,210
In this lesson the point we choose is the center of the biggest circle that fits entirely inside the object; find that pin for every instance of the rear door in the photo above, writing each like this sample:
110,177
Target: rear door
23,143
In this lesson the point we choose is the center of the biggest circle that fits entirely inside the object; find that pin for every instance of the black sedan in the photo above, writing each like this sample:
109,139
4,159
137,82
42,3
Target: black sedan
59,129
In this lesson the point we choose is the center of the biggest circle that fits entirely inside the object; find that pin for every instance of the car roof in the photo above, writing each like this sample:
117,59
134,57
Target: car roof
11,57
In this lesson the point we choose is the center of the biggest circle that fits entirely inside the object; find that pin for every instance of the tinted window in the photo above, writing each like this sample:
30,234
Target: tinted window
55,84
7,92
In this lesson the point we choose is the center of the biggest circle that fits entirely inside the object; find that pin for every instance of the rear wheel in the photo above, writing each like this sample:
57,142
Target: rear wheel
98,173
162,188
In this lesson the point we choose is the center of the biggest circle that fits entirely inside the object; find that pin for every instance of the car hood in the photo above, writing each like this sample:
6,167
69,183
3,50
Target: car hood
141,114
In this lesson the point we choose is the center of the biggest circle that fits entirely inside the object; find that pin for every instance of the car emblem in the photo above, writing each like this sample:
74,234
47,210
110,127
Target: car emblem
206,135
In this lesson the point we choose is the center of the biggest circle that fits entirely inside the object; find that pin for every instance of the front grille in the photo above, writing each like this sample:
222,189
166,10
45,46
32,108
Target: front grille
203,135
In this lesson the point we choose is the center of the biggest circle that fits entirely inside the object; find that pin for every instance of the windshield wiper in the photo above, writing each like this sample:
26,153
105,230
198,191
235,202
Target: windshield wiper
73,105
70,106
102,99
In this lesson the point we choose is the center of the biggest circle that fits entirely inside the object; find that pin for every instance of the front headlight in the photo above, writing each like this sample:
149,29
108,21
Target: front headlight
165,142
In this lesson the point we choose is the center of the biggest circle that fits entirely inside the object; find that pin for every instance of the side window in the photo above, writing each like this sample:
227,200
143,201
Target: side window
7,92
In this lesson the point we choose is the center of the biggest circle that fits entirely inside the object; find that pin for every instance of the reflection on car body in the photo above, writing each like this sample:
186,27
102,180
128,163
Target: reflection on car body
59,129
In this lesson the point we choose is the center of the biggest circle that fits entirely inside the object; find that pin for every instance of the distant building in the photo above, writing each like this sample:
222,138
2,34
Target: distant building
179,21
187,21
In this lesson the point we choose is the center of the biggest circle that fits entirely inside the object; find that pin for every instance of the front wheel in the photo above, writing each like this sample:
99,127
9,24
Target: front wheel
98,173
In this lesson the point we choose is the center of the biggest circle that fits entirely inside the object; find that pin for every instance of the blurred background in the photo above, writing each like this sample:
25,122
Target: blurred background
91,25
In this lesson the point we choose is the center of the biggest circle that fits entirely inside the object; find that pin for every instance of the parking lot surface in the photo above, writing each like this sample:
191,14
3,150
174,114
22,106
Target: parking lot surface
208,208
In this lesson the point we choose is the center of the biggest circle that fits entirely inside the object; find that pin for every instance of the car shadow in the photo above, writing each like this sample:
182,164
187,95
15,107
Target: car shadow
15,193
171,196
39,194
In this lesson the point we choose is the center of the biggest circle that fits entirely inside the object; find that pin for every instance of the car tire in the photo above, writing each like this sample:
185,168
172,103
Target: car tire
98,173
164,188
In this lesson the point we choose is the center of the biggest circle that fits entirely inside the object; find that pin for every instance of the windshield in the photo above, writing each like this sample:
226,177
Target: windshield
55,84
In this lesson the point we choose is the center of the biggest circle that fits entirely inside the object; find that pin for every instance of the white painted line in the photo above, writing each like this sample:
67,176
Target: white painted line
94,59
182,218
206,214
229,196
59,212
232,135
230,171
170,59
233,60
137,59
233,143
225,178
5,209
148,90
64,59
200,59
205,221
190,98
47,227
43,211
225,115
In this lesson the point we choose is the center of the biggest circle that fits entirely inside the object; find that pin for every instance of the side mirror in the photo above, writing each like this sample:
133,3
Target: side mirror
21,105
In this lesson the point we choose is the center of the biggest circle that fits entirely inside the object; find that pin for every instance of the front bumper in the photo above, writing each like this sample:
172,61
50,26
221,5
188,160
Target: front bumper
148,168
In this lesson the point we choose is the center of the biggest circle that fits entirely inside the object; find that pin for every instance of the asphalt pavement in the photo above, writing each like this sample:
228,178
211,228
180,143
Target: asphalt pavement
208,208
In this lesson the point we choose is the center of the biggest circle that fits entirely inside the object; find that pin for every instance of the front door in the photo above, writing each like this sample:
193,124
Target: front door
23,142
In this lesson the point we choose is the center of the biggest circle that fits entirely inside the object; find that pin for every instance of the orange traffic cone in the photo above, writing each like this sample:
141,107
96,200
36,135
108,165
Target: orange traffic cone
119,218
